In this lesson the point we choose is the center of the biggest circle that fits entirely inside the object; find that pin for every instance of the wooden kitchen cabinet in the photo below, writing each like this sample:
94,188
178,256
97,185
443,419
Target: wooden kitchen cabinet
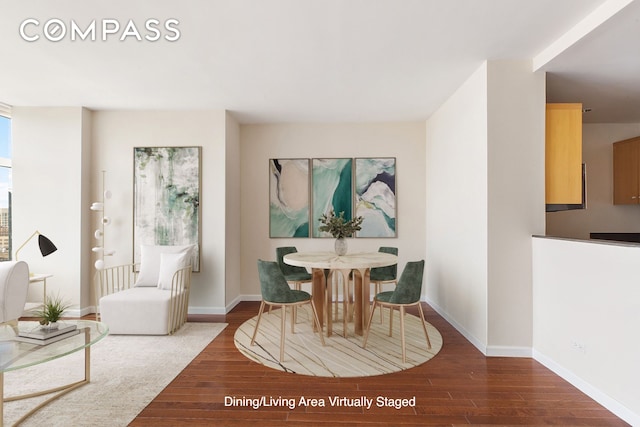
563,154
626,172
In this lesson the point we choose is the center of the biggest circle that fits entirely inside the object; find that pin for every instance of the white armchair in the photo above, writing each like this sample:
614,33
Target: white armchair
153,301
14,285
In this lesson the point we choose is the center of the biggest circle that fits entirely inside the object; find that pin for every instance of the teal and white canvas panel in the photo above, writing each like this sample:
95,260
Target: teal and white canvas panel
166,191
375,187
289,197
332,188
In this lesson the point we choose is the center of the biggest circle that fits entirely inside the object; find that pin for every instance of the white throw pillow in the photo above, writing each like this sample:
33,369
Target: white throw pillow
169,264
150,262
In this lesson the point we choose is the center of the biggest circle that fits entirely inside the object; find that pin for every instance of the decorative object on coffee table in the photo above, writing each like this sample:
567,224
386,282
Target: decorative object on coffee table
51,311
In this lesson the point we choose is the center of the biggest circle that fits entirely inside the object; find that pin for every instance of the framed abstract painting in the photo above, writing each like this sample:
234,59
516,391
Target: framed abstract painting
289,198
166,204
375,196
332,188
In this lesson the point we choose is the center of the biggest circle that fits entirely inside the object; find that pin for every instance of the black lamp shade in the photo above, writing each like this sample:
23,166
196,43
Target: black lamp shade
46,246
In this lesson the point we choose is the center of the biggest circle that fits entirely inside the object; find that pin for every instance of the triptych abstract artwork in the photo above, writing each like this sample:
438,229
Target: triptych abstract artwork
302,190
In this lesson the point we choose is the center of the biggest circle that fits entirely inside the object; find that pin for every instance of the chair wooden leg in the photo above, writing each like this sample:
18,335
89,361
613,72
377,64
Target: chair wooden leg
424,326
378,290
282,331
293,318
390,321
317,320
255,331
368,325
404,351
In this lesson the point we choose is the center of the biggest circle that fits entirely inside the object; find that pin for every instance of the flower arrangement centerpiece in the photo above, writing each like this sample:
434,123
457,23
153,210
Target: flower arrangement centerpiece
339,227
51,311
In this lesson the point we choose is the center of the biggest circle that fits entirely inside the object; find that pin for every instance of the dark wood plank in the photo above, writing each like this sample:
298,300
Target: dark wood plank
458,387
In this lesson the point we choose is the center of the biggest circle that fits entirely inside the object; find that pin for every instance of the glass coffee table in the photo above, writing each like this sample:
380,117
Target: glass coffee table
16,355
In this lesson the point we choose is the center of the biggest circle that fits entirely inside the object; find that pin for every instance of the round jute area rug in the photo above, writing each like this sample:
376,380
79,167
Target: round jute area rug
340,357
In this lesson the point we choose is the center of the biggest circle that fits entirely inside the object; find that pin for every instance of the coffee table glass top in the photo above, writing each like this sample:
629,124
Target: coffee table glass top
17,355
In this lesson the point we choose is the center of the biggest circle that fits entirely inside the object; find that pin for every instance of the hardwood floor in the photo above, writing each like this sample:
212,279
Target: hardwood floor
459,386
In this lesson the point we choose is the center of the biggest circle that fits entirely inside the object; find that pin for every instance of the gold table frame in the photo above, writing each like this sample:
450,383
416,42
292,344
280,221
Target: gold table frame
86,327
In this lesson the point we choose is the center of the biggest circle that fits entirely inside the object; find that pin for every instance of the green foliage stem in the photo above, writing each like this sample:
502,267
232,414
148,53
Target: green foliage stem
337,226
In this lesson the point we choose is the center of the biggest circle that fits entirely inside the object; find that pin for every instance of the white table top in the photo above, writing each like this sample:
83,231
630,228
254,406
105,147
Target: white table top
39,277
330,260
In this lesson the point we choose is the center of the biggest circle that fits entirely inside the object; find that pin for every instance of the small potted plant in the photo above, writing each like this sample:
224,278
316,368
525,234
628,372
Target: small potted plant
51,312
340,228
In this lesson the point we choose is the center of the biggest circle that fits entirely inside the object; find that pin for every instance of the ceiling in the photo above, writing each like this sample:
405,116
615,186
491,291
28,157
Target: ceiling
312,60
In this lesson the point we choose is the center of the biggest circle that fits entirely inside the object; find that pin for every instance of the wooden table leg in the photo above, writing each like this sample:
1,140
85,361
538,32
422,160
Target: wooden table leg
345,300
361,296
329,302
319,285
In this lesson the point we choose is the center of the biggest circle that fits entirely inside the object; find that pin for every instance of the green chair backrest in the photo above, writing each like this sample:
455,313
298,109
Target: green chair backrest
288,270
389,272
273,285
410,284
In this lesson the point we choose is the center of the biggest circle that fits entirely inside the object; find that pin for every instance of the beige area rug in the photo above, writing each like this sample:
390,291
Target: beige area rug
127,373
305,355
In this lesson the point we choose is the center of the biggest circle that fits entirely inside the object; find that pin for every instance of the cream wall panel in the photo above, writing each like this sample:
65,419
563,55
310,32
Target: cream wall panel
259,143
232,208
516,117
574,282
49,191
115,133
456,214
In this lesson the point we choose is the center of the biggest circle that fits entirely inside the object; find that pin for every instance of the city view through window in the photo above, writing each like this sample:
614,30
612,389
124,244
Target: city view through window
5,188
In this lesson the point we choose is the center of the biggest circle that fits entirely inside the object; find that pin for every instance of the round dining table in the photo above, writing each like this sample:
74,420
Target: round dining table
360,263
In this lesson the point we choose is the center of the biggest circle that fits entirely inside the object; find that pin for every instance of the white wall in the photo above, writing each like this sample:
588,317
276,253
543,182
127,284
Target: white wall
485,198
601,215
259,143
232,216
516,116
115,133
456,209
585,318
50,193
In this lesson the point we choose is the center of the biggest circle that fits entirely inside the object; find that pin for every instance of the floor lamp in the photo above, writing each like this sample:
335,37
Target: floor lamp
46,246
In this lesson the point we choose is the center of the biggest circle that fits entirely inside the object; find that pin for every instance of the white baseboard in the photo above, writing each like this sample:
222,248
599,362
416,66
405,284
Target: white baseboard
206,310
508,351
75,312
491,350
593,392
473,340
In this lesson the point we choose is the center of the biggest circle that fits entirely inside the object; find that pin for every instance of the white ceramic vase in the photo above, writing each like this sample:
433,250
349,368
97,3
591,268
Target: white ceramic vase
340,246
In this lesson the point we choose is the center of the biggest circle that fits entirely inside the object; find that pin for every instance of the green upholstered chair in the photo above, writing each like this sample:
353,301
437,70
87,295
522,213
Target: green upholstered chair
294,275
407,293
388,274
382,275
276,292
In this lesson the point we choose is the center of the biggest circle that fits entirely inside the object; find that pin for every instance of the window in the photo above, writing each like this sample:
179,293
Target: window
5,186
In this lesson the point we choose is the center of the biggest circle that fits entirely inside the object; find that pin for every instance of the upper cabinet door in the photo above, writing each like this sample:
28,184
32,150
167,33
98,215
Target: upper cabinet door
563,154
626,172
